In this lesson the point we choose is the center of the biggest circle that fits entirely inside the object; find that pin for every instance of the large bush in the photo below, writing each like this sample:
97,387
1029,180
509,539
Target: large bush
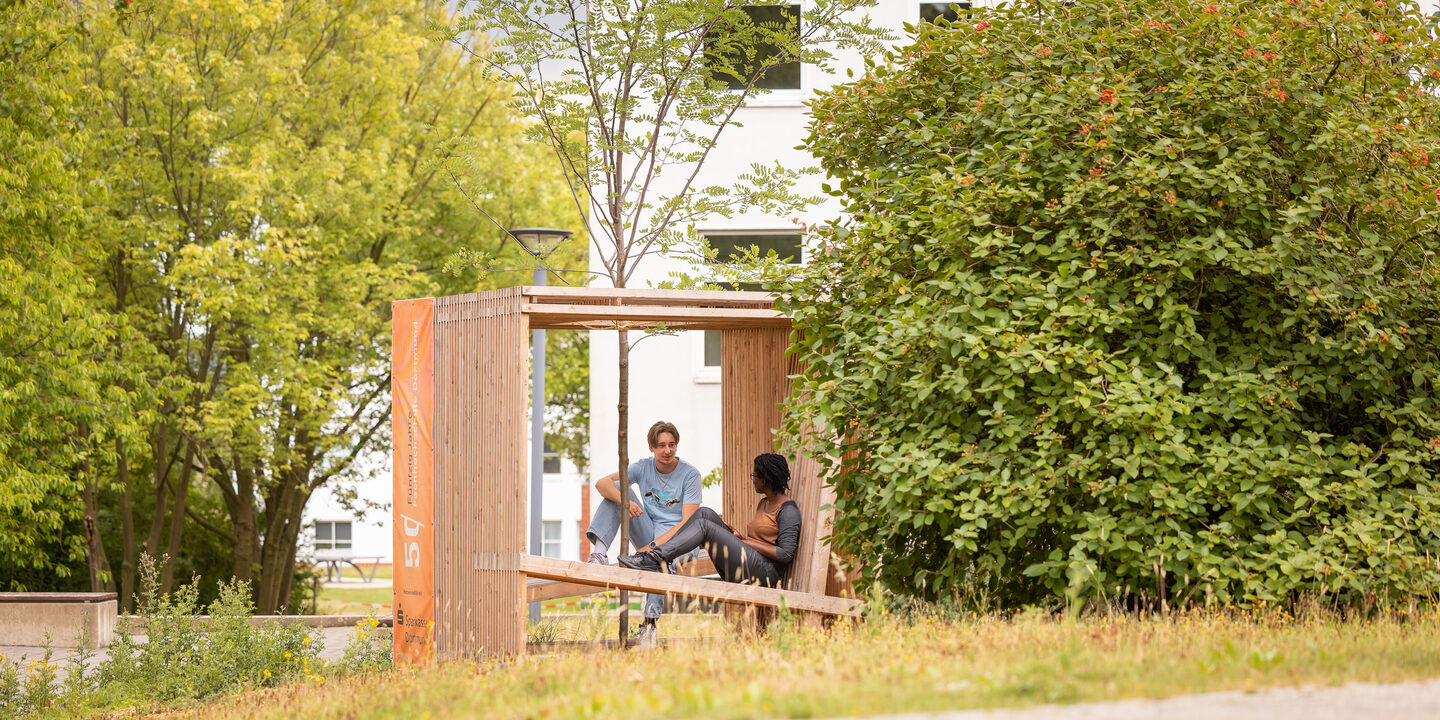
1136,301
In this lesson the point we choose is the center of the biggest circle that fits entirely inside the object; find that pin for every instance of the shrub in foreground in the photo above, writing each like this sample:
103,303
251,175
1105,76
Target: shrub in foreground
184,656
1136,301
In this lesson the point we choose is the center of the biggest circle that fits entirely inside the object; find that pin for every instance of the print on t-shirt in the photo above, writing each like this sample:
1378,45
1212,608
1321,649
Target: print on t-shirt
665,495
662,498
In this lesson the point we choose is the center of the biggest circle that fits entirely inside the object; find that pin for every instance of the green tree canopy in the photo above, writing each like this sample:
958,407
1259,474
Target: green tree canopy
1136,302
60,400
208,208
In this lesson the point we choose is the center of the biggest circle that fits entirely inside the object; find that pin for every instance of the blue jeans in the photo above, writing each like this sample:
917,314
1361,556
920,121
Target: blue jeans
643,529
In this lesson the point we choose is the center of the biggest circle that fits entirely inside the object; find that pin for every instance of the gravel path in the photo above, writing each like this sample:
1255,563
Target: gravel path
1400,701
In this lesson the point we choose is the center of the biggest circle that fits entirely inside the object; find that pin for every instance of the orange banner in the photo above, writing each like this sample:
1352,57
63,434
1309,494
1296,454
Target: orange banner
412,396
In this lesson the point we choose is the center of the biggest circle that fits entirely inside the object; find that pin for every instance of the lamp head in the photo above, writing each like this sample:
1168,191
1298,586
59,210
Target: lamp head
539,240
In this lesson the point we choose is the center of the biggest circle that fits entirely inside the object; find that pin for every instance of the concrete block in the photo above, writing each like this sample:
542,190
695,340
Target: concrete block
25,623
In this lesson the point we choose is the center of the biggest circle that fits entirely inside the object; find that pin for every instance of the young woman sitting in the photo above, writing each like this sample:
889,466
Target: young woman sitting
760,556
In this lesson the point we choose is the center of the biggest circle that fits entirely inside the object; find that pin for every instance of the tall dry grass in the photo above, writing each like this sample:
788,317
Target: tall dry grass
893,662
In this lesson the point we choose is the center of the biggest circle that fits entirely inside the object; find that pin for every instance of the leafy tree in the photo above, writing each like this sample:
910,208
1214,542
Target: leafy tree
1137,302
61,403
632,97
276,181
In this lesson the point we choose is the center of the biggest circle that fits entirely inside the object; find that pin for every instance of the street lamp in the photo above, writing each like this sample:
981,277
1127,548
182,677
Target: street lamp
539,242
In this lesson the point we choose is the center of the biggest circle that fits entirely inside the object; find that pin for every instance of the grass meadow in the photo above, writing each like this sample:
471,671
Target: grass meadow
888,663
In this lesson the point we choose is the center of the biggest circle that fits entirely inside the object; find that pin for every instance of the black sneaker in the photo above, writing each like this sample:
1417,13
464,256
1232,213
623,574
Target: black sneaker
644,560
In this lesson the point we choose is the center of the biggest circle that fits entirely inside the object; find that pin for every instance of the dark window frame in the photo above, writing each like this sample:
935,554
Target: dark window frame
784,76
550,460
932,11
732,244
546,542
330,539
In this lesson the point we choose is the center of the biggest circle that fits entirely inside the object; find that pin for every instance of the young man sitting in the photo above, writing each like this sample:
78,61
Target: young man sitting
664,493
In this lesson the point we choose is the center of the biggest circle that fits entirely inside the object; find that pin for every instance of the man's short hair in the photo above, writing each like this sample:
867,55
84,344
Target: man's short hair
653,437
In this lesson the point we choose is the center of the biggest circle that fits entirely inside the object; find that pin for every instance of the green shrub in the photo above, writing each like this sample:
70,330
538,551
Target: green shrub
368,648
182,657
1136,303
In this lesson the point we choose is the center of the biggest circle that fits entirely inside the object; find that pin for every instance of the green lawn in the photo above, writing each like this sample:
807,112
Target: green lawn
887,665
382,572
354,601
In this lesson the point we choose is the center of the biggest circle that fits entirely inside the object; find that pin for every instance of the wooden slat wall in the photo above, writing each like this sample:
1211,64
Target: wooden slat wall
481,385
754,385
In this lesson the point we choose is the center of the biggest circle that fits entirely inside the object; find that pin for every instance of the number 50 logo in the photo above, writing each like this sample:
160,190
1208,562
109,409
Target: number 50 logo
412,529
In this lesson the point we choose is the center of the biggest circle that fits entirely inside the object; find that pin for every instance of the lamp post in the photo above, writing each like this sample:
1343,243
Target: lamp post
539,242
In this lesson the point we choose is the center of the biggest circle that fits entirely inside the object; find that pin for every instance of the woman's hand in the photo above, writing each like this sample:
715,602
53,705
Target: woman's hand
636,510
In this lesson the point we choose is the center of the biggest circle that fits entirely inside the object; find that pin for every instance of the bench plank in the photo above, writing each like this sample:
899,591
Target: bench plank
626,579
538,589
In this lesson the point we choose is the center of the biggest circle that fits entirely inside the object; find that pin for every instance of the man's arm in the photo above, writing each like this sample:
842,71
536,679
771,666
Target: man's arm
608,490
685,512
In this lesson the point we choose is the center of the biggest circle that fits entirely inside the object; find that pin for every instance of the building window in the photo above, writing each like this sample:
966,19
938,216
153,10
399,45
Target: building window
712,348
550,538
950,12
551,460
735,67
332,534
729,247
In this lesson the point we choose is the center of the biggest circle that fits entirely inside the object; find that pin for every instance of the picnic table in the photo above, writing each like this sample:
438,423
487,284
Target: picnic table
334,570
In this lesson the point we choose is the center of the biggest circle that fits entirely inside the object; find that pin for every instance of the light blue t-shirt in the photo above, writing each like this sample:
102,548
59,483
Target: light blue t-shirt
664,495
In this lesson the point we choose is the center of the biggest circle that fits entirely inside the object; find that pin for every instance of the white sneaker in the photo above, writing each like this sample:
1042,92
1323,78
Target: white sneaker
646,636
599,559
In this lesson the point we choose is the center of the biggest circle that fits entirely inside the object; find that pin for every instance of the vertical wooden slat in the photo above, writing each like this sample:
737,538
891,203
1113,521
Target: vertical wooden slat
480,476
755,384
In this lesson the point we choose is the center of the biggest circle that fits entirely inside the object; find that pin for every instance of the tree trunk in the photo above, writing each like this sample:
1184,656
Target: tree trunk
162,488
283,514
177,521
247,536
127,531
122,465
266,585
622,440
292,544
95,550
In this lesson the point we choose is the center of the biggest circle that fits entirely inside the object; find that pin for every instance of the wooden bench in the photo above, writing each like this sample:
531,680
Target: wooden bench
622,578
538,588
26,618
460,370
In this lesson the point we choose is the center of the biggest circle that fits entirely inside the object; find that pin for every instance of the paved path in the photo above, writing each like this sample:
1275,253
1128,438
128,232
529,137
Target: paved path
1399,701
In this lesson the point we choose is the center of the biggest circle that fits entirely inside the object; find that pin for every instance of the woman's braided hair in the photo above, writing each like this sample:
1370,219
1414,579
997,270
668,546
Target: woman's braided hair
774,471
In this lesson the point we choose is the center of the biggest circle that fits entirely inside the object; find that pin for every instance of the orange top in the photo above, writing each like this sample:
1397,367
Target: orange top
765,524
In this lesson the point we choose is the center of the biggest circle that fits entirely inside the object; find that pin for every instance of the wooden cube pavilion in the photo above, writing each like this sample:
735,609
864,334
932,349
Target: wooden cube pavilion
476,372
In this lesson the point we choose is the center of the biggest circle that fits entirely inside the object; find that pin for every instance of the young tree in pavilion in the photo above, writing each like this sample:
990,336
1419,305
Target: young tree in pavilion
633,96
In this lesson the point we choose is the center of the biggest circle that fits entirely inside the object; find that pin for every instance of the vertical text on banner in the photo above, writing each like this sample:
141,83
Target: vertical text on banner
413,369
